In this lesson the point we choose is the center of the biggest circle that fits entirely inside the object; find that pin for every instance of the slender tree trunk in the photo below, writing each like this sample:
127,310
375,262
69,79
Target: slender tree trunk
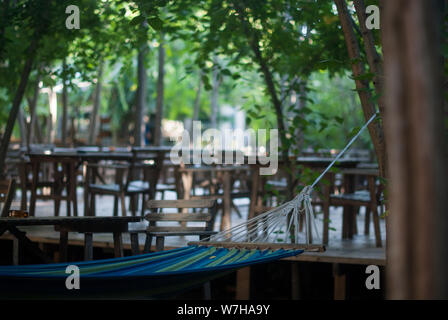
16,104
362,85
96,105
64,105
2,31
375,64
32,103
22,128
139,130
160,94
197,103
417,256
268,78
214,103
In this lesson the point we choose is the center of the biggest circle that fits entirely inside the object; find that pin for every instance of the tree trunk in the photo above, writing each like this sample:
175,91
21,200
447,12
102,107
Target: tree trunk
96,105
64,105
2,31
32,103
417,255
197,103
139,129
214,102
160,94
16,104
268,78
362,85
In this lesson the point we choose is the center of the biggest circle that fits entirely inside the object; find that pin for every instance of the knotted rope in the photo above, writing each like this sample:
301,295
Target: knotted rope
281,224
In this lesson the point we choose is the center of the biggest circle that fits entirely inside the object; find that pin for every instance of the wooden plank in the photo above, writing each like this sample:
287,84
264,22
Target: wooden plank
200,203
261,246
178,217
95,228
152,229
183,233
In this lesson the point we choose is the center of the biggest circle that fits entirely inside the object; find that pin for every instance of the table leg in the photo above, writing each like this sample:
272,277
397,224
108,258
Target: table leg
63,245
15,252
225,218
35,180
134,243
349,211
72,182
88,246
254,190
118,245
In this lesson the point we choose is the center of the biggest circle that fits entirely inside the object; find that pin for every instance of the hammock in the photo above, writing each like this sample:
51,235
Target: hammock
267,237
153,275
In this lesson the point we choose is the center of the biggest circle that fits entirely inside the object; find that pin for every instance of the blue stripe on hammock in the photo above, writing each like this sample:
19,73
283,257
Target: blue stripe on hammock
150,264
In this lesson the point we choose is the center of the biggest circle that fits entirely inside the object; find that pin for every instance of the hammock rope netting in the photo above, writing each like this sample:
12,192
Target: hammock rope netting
270,236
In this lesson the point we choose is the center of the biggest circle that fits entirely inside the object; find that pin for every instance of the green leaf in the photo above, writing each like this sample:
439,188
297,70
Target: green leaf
155,23
137,20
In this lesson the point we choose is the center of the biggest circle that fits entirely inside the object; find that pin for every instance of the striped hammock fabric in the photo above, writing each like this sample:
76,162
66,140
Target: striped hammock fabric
153,275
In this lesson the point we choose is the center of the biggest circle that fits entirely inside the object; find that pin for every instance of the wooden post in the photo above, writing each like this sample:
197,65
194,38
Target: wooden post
118,245
243,284
340,282
63,245
88,246
417,251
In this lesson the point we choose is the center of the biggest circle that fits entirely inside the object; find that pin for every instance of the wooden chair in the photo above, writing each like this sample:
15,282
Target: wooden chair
160,232
370,198
7,192
136,178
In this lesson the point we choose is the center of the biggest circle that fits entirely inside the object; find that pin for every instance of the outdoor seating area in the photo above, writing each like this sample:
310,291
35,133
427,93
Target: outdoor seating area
223,150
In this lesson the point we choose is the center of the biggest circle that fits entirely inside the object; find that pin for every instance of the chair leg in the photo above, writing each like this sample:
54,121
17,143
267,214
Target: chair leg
376,224
160,243
92,205
115,212
123,205
88,246
118,244
148,242
134,243
326,222
367,222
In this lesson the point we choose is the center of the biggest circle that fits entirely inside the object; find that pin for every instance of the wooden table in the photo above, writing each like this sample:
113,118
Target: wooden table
72,159
315,163
86,225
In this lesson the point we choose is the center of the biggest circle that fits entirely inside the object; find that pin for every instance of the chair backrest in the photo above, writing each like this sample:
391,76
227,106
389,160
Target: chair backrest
147,162
207,217
7,191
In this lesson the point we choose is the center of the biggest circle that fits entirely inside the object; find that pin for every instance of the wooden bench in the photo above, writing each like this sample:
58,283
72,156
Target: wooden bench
160,232
86,225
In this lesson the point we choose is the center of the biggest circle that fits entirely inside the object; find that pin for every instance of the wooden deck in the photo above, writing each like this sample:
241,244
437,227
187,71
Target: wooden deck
359,250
